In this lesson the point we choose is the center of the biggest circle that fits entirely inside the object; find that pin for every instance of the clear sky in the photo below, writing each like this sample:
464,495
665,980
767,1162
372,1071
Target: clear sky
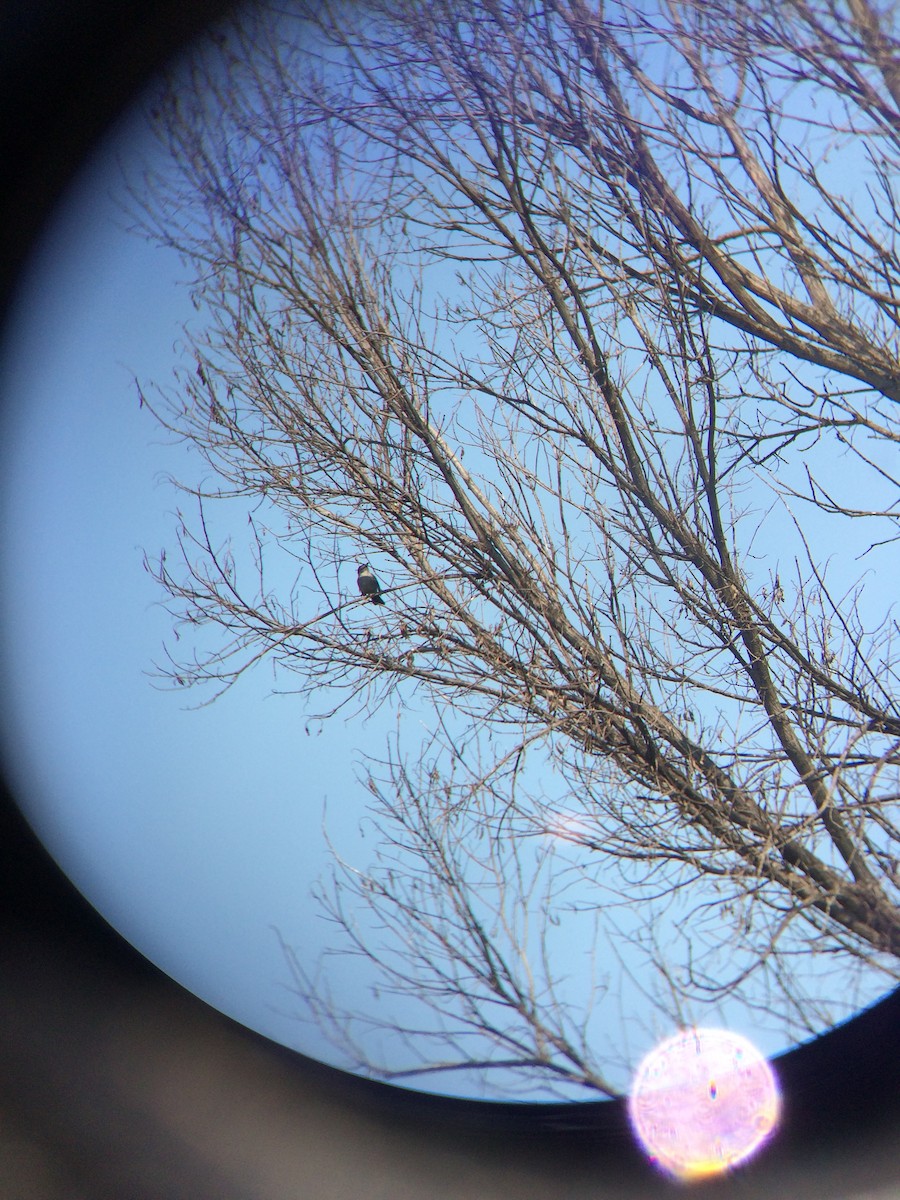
196,832
193,832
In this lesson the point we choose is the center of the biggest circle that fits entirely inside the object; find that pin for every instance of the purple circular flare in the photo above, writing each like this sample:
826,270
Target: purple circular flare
703,1101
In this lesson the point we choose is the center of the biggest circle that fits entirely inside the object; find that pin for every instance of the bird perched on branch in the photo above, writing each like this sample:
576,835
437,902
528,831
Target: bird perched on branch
368,584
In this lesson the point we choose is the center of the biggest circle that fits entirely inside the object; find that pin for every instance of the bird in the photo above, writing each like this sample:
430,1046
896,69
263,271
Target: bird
368,584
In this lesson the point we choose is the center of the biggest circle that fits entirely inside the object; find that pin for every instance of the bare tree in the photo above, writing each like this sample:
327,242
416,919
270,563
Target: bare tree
580,324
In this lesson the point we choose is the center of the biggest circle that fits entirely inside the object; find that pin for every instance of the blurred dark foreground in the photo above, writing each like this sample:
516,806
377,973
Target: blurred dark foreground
116,1084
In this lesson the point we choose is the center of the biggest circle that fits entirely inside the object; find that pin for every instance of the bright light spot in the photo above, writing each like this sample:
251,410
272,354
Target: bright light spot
703,1101
567,826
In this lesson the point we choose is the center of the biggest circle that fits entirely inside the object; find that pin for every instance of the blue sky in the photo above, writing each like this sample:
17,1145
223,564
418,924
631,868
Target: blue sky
192,831
196,832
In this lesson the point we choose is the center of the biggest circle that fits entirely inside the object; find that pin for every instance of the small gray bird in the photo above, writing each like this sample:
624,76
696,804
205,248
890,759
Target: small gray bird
368,584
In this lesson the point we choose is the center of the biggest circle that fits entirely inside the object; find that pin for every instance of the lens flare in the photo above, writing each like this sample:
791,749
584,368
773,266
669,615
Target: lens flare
703,1101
